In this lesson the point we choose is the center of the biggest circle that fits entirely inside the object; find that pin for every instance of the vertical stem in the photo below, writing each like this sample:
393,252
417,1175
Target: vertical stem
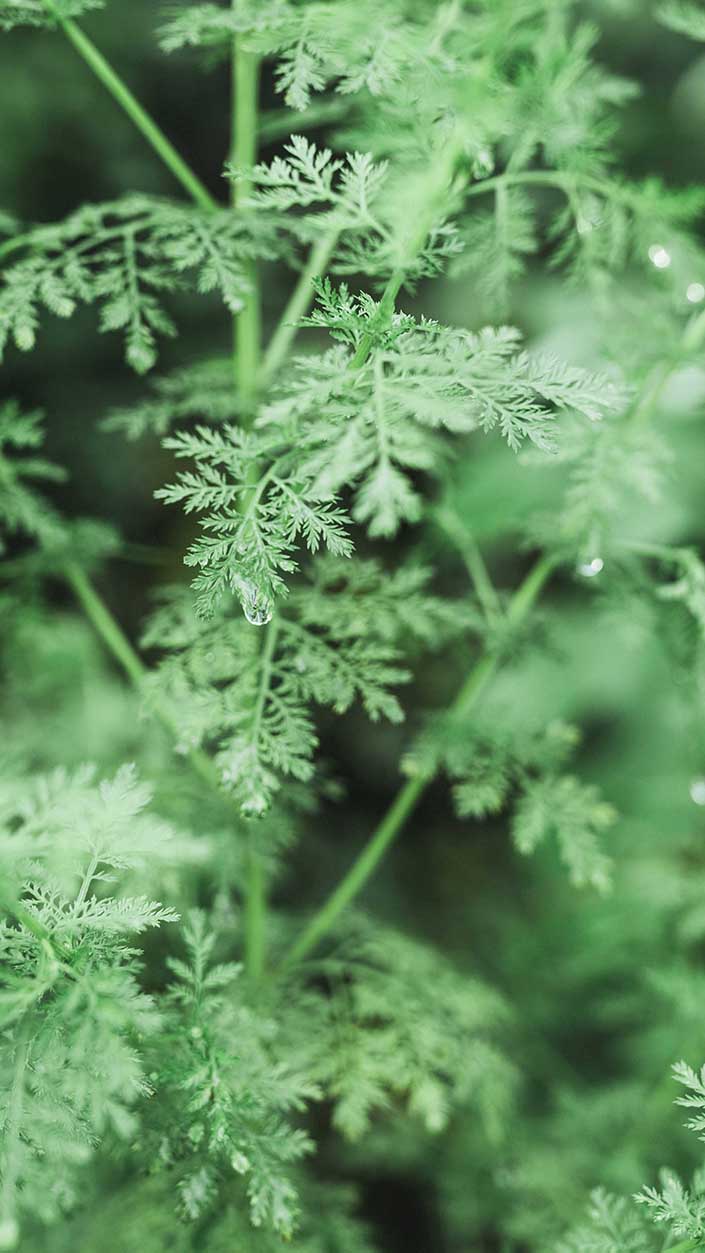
243,154
247,328
255,913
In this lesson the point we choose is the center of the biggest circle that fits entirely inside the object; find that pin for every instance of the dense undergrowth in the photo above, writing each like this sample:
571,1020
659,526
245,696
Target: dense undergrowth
438,495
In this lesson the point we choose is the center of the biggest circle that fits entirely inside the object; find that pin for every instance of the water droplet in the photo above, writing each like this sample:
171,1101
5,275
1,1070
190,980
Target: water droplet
588,569
255,805
483,162
659,256
695,292
257,608
301,664
240,1162
697,791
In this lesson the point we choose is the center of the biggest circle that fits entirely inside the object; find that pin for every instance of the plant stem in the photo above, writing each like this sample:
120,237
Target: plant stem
566,183
475,563
650,395
412,244
411,792
255,914
243,155
106,626
247,337
121,649
134,110
296,307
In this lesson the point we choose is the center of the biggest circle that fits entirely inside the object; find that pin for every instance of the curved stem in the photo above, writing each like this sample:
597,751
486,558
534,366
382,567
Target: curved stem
650,395
411,792
134,110
475,563
551,178
121,649
106,626
296,307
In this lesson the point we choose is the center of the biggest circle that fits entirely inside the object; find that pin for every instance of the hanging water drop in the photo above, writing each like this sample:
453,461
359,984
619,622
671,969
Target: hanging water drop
659,256
588,569
257,608
240,1162
256,805
697,791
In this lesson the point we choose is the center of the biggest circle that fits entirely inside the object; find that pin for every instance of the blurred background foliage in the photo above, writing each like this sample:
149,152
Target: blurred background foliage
608,992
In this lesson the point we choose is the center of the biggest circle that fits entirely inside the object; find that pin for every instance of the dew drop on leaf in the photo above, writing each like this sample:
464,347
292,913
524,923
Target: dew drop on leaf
589,569
256,607
697,791
255,806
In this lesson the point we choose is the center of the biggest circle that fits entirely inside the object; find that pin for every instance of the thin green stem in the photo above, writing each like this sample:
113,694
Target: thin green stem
14,244
243,155
247,340
650,396
554,179
255,914
414,241
134,110
469,550
410,793
121,649
256,899
299,301
278,123
107,628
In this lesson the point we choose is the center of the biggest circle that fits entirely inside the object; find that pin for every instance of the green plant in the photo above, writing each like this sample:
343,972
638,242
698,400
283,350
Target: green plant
188,1081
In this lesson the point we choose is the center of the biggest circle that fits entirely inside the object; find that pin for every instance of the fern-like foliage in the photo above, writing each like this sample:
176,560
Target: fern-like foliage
203,390
123,255
338,426
307,189
613,1223
673,1204
206,25
493,766
227,1098
38,13
336,640
73,1013
23,509
683,16
369,47
401,1026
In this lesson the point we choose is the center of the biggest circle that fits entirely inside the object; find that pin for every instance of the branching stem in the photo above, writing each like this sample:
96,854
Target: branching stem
411,792
299,301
